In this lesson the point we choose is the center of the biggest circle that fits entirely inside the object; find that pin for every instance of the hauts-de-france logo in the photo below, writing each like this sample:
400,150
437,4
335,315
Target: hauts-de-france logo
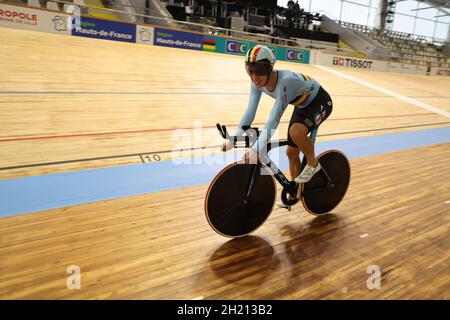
236,47
59,23
145,35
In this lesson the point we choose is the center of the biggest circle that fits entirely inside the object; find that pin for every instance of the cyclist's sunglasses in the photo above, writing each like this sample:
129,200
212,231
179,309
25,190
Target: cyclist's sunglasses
257,69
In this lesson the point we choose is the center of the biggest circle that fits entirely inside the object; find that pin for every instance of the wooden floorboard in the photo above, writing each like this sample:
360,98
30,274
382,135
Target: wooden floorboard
68,99
159,245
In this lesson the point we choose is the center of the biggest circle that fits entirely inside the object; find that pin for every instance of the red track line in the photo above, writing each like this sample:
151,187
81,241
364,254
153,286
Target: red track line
171,129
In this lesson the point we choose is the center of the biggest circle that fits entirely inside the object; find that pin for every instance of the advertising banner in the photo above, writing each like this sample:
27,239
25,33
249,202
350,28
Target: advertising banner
405,68
352,62
393,67
210,44
421,70
236,47
105,29
349,62
33,19
295,55
178,39
437,71
144,34
218,42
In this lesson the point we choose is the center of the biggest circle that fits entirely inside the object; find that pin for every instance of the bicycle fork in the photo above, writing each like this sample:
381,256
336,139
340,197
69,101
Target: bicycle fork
251,182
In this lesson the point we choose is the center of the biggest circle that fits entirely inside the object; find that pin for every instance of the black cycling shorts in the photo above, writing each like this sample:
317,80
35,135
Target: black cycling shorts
312,115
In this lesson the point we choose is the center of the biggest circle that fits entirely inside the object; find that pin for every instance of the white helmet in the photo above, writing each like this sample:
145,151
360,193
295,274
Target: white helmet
261,59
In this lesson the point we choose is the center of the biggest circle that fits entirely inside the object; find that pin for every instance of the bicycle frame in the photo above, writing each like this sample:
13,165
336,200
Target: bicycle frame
290,187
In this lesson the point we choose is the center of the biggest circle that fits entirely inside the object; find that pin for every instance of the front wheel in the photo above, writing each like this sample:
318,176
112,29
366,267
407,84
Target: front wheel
227,211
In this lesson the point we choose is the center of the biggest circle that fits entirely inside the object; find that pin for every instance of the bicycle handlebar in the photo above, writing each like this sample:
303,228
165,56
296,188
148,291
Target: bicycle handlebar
222,130
249,138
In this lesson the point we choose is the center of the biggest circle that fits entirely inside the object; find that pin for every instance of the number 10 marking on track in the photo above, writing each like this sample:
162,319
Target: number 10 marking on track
145,158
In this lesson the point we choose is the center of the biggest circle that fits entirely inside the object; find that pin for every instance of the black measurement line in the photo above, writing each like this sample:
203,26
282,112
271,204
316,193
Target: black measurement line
140,155
383,129
103,158
185,93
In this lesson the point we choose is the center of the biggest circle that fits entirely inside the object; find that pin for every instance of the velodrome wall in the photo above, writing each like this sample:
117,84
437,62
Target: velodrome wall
325,59
31,19
436,71
43,20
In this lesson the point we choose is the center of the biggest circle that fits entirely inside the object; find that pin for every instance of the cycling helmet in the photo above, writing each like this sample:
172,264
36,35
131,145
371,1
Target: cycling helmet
260,61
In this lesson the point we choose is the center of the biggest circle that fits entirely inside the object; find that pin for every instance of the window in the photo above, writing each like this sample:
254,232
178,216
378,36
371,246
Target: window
441,31
354,13
330,8
405,7
424,28
361,2
367,12
427,13
445,19
373,18
375,4
403,23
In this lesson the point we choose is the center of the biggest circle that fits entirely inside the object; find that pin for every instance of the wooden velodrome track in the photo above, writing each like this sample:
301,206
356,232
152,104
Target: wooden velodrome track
74,98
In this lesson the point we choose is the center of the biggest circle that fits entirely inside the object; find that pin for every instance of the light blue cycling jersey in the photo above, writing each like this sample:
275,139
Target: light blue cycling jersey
291,88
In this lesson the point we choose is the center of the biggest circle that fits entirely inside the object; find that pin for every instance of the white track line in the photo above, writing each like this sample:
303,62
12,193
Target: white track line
387,92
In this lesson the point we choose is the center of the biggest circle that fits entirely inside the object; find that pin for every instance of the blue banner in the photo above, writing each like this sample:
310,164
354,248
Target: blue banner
104,29
178,39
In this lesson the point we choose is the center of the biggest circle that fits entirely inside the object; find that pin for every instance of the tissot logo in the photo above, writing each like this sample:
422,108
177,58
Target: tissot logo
353,63
236,47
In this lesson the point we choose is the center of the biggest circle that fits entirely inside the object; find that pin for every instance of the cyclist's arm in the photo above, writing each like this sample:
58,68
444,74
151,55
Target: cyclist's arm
249,115
271,124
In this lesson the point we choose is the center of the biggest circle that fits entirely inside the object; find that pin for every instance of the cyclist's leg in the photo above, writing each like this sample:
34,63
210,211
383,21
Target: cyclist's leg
299,127
293,154
299,134
310,118
292,150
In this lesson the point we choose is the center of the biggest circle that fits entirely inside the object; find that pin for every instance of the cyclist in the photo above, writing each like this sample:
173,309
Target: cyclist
312,106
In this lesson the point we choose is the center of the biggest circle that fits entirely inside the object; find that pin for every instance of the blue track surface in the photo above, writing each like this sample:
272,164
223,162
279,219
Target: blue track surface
25,195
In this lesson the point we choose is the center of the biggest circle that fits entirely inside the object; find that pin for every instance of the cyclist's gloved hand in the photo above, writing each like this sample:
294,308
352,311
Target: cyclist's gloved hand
251,156
227,146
